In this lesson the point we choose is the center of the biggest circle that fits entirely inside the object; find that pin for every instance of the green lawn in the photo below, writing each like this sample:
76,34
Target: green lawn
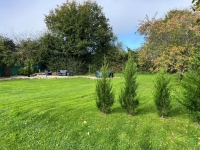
61,114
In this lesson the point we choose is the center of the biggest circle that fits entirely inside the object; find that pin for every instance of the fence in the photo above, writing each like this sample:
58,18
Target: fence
15,69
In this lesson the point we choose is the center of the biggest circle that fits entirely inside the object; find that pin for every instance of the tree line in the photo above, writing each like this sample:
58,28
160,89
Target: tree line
79,35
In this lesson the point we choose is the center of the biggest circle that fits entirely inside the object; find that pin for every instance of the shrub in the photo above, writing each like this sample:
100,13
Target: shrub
191,95
162,94
191,89
27,70
128,97
104,93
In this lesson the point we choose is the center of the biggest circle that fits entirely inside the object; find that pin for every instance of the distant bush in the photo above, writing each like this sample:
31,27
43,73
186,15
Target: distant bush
162,94
104,93
27,70
128,97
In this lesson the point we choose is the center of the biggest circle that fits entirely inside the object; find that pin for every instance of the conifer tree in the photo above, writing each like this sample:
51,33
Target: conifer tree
104,93
191,89
162,94
128,97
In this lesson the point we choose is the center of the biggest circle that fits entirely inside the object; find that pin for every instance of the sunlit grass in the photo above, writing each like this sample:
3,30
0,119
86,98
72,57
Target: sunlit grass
61,114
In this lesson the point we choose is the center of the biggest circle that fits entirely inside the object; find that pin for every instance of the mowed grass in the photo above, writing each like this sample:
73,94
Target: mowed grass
61,114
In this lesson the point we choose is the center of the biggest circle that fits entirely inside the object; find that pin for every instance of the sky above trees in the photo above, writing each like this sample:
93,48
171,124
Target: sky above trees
28,16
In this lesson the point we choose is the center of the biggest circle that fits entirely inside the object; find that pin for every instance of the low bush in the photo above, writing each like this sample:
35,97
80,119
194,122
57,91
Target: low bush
27,70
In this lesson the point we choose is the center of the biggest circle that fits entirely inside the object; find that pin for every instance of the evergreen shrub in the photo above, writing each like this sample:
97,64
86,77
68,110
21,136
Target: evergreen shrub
128,98
162,94
190,97
104,93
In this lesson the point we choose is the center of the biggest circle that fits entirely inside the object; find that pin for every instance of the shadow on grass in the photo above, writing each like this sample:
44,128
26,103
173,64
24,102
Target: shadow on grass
146,110
177,111
118,110
139,111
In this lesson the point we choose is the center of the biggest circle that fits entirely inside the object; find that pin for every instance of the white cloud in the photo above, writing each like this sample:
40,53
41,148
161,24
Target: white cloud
124,15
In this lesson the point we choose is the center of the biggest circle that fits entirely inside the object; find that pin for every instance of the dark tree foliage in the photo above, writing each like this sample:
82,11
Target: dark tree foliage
117,57
51,53
190,97
8,43
27,49
7,71
196,5
83,30
7,48
29,68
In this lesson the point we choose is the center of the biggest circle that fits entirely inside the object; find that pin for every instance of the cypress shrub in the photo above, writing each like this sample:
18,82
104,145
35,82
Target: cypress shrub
162,94
190,97
104,93
128,98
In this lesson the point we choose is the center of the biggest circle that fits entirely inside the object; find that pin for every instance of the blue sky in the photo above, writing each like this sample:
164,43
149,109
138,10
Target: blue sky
27,16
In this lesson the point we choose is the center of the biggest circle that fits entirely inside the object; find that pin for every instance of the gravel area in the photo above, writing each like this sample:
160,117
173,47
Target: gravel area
44,77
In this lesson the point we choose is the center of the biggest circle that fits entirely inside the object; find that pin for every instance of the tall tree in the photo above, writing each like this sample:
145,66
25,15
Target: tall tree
2,51
83,28
54,57
170,40
27,49
51,54
7,48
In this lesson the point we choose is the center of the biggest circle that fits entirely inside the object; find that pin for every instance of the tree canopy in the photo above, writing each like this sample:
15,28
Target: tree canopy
169,41
7,47
196,5
78,37
82,29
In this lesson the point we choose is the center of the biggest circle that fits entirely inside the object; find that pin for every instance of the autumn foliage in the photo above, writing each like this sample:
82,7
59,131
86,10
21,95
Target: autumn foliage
169,41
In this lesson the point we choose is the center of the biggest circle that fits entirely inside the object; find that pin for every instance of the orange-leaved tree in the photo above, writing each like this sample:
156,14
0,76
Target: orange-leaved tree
169,41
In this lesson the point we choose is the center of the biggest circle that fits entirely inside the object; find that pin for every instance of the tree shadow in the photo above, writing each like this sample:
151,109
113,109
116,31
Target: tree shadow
139,110
146,107
118,110
177,111
146,110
